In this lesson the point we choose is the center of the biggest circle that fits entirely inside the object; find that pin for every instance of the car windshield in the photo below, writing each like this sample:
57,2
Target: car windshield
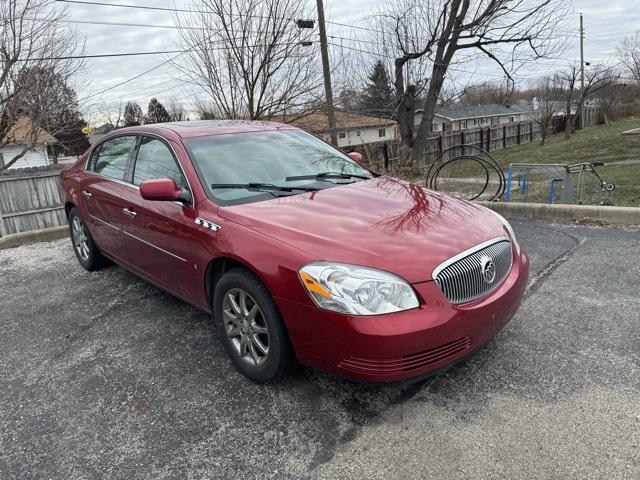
254,166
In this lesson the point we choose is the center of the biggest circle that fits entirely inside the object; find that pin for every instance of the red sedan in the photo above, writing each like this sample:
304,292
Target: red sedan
300,252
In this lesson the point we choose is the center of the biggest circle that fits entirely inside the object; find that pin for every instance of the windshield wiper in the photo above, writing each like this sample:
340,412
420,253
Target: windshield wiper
258,186
327,175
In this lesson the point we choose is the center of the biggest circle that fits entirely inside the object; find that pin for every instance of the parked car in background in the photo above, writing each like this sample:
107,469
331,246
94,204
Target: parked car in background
300,252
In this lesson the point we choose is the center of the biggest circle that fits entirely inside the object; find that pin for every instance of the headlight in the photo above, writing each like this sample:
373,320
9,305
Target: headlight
506,224
356,290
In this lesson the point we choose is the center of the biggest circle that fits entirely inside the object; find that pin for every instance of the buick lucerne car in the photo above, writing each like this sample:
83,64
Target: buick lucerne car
301,253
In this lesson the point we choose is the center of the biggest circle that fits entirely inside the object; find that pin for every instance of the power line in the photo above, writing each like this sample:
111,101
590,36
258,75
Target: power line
357,27
135,77
149,95
163,9
123,24
140,7
453,69
188,10
161,52
181,52
107,55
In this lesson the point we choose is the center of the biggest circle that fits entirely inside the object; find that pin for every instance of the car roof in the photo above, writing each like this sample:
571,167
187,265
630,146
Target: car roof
199,128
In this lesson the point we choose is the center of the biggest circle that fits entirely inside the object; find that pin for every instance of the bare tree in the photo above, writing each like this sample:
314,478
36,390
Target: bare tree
51,104
485,93
176,110
246,55
204,109
567,81
35,47
596,77
113,113
629,55
546,104
614,96
448,31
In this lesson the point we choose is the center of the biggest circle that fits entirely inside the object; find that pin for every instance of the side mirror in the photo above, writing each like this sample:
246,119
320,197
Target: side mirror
163,190
356,157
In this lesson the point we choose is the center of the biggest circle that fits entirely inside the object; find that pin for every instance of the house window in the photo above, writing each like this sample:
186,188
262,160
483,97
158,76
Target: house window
382,132
357,133
512,119
475,122
343,135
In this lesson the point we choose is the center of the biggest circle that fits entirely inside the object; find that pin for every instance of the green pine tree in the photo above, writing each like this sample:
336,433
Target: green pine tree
378,98
132,115
156,113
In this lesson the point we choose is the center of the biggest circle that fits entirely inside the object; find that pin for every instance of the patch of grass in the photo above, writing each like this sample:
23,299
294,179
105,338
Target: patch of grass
626,178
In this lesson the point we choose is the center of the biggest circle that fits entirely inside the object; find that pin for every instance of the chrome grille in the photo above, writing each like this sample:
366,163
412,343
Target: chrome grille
467,276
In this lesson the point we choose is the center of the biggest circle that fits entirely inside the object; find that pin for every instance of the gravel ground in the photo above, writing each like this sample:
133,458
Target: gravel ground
105,376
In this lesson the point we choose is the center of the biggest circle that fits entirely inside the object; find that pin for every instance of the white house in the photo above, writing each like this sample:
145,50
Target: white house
463,117
22,134
352,129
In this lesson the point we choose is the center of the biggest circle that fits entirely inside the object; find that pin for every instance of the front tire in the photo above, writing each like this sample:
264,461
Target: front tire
251,327
84,246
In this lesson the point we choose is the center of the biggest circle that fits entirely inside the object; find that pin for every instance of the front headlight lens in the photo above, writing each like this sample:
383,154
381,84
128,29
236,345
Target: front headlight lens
356,290
506,224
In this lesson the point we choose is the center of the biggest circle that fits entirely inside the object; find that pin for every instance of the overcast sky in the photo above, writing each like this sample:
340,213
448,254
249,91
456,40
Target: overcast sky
606,23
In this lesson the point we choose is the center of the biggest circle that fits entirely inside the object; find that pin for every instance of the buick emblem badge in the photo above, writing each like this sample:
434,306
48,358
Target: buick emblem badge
488,269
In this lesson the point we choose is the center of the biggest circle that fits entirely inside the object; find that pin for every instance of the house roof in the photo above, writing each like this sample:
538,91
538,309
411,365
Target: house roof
462,112
317,122
23,132
104,129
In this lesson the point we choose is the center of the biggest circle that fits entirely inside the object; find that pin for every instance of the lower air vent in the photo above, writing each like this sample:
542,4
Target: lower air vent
407,363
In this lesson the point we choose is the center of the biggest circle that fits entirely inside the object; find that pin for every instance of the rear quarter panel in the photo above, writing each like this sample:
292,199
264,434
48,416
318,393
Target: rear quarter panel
70,178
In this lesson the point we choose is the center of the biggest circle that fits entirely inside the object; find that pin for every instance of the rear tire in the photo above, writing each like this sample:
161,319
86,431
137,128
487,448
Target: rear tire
251,327
84,246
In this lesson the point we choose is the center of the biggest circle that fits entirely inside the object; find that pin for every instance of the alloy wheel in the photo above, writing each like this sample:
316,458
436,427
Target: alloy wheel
245,326
80,240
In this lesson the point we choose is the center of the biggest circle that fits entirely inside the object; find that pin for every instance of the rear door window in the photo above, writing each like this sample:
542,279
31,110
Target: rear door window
111,160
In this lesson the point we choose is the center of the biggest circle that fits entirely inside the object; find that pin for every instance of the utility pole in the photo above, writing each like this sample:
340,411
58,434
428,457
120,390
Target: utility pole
581,73
327,74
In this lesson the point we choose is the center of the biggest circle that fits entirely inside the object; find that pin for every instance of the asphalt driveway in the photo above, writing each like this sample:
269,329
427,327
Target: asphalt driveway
105,376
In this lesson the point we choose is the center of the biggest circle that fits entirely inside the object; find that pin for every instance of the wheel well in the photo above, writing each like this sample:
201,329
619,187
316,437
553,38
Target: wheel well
216,269
67,208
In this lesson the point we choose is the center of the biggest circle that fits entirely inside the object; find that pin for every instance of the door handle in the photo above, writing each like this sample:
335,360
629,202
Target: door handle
128,212
86,194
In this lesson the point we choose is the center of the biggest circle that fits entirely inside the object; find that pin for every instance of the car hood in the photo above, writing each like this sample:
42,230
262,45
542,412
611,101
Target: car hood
383,223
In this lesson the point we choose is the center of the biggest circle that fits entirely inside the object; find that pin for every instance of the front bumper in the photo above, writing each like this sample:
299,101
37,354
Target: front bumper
403,345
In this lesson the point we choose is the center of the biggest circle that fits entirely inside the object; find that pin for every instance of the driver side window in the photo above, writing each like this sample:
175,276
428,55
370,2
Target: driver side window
155,160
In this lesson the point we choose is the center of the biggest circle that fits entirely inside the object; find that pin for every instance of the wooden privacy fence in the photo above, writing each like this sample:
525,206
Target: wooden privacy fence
30,199
489,138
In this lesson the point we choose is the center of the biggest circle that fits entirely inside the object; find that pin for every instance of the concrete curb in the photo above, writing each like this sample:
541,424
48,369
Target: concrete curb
627,216
24,238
